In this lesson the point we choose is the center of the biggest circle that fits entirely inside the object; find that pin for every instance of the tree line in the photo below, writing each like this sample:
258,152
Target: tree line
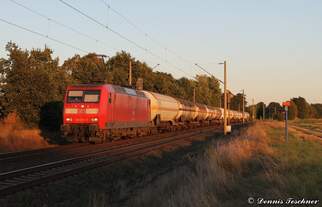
33,83
299,108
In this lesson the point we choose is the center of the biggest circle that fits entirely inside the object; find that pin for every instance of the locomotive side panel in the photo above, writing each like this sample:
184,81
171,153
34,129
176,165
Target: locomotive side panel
129,109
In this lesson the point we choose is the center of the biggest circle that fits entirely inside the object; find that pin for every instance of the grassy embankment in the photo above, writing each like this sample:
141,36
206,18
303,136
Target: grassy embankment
257,163
219,172
15,136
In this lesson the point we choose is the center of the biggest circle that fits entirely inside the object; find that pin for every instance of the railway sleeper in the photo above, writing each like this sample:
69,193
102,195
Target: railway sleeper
5,184
92,134
20,179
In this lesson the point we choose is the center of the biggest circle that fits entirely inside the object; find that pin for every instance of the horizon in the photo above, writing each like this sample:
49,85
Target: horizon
268,55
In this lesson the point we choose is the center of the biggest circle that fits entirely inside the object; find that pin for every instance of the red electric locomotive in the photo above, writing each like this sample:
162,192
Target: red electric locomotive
93,113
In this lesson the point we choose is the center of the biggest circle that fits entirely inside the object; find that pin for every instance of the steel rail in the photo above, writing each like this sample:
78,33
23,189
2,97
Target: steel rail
24,178
31,158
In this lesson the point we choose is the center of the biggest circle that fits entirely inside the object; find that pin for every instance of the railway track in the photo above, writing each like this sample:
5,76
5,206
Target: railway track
12,161
103,155
15,161
30,153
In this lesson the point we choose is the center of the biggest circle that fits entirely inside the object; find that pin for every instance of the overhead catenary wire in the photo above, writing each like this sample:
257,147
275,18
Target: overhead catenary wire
78,32
196,64
134,25
130,22
102,25
123,17
43,35
59,23
120,35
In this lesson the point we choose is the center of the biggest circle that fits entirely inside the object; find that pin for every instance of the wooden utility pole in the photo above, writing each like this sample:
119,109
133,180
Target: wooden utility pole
263,111
130,73
253,109
286,118
229,94
139,84
194,95
225,98
243,105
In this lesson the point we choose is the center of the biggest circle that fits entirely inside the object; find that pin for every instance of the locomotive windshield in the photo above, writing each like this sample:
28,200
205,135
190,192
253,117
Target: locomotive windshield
79,96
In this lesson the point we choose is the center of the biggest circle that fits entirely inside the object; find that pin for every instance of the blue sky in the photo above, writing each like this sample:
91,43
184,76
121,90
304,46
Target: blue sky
273,47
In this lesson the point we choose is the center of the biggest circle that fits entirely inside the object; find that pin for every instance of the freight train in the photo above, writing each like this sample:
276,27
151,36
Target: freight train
100,113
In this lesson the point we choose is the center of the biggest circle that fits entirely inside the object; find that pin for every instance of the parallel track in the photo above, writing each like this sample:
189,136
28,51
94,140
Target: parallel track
38,157
107,154
13,156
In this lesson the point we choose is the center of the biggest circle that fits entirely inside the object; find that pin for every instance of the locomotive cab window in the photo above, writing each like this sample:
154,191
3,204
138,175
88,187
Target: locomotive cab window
75,96
90,96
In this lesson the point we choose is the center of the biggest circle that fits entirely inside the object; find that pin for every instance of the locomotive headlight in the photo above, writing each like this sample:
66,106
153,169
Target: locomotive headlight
69,119
94,119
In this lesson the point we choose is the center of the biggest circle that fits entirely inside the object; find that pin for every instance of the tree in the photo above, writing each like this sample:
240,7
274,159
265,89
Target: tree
303,107
186,88
3,62
32,79
292,111
273,110
259,110
236,103
87,69
118,71
207,90
142,70
318,110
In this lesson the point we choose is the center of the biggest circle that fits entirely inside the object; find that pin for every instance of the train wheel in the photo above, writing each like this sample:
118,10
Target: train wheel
157,120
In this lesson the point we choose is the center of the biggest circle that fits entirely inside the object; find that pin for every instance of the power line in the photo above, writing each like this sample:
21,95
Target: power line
58,23
196,64
118,34
43,35
103,25
130,22
136,27
124,17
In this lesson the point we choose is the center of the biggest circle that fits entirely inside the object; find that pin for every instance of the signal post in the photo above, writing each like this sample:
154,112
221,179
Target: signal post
286,104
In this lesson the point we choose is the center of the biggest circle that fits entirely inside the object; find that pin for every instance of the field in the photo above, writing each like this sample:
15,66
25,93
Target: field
308,126
257,164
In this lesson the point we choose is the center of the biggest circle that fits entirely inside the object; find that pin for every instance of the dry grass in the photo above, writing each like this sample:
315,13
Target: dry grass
257,163
306,134
299,131
214,175
14,136
313,126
